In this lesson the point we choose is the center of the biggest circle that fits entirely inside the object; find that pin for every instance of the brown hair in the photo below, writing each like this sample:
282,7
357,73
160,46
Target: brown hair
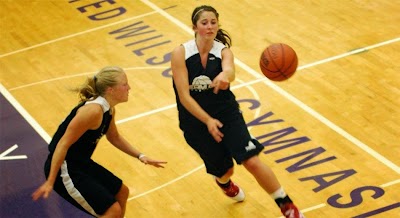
222,35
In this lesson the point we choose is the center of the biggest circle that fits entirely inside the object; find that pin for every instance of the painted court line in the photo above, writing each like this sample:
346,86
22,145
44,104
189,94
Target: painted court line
390,183
353,52
35,125
3,155
77,75
168,183
76,34
161,109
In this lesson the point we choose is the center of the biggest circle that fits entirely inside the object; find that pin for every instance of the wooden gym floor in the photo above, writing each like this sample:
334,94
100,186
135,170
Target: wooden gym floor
331,132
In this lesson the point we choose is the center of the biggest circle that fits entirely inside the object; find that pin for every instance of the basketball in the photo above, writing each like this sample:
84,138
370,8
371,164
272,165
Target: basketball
278,62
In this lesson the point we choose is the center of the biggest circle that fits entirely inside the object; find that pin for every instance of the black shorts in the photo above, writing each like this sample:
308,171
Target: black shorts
237,144
89,187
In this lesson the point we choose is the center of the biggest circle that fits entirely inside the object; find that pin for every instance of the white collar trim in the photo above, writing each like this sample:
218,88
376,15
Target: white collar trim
102,102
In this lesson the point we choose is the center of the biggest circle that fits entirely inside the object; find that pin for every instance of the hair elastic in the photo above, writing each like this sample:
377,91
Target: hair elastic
94,83
197,13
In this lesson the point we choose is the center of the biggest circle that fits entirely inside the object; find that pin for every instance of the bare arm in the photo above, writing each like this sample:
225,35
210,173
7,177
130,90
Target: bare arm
87,117
180,76
227,75
228,65
119,142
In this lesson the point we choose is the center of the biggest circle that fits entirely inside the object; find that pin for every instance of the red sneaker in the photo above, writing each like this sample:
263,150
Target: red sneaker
289,210
233,191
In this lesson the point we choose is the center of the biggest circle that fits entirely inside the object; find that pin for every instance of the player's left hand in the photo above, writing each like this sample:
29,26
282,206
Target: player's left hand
155,163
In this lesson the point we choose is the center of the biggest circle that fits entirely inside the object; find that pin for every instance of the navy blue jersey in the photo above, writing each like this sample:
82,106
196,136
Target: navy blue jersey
82,182
219,106
84,147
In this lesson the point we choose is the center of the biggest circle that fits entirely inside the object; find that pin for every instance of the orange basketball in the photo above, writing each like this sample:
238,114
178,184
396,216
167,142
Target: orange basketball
278,62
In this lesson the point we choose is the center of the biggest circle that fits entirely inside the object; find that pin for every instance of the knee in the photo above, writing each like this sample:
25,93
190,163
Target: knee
251,164
114,211
124,192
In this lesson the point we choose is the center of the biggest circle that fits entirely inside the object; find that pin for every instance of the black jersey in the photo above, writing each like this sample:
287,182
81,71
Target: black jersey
84,147
220,105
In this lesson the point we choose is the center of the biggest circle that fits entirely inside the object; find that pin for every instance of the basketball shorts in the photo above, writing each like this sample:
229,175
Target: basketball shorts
237,144
89,187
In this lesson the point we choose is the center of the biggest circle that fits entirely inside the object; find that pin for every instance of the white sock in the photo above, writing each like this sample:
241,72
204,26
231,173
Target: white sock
280,193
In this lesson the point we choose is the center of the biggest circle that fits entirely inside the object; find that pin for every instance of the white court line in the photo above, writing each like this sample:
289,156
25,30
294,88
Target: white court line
297,102
3,155
356,51
167,108
77,75
313,208
76,34
390,183
25,114
257,112
168,183
146,113
256,96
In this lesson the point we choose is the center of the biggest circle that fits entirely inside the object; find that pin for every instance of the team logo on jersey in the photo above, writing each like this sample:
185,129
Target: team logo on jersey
201,83
250,146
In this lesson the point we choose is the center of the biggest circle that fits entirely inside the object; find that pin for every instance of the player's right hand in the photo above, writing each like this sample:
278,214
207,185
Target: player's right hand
213,126
43,191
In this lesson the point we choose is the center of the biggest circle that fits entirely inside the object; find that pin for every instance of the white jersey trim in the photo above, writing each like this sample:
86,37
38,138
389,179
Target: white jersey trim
191,49
73,192
102,102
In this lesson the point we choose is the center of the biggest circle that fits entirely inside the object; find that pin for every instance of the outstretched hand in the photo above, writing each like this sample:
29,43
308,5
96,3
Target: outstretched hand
220,82
155,163
43,191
